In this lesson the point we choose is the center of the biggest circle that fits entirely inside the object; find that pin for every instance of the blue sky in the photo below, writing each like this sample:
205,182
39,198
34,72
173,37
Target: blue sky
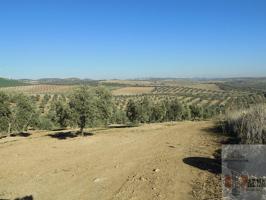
132,38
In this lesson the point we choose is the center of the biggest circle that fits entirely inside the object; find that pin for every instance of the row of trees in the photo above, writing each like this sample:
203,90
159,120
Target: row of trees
85,107
17,113
88,107
146,111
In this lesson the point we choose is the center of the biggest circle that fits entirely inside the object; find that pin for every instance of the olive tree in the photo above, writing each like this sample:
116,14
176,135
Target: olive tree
5,112
83,107
132,111
145,110
158,112
62,114
23,113
104,104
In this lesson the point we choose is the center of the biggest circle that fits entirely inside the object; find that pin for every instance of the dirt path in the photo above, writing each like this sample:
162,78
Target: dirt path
146,162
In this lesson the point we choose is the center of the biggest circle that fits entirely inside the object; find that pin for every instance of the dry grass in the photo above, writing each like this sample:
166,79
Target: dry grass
40,89
249,125
206,86
129,82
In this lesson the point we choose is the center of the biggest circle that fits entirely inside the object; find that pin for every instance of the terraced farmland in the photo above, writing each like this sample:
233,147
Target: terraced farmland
132,90
196,96
44,95
40,89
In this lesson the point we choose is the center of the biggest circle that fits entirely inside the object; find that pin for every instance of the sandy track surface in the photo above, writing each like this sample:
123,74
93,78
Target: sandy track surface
142,163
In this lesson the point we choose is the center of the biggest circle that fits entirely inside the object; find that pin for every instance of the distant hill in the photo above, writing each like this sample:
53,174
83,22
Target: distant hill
4,82
66,81
60,81
249,84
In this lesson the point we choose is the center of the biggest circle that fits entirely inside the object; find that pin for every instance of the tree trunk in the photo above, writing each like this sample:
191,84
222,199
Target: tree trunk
82,131
82,125
9,129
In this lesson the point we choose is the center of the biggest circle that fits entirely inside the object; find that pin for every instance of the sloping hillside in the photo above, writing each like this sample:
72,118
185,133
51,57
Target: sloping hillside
9,82
166,161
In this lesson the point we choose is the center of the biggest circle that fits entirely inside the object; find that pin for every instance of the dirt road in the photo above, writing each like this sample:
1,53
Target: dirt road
142,163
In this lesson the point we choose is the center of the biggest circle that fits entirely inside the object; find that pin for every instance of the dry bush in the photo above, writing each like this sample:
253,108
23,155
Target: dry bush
249,125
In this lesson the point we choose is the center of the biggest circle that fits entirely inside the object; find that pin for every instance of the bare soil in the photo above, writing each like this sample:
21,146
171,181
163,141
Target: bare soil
156,161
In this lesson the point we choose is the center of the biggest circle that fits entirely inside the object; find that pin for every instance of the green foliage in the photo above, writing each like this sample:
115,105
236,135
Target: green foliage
95,106
83,107
119,116
186,113
211,111
175,110
196,112
45,123
46,98
10,83
17,113
62,114
158,112
23,114
90,106
132,111
104,104
144,110
5,112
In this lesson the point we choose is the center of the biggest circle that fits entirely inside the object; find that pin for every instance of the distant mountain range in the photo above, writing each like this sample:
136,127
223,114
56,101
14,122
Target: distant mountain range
255,83
59,81
4,82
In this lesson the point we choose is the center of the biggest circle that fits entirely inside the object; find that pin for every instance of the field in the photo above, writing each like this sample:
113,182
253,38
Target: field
157,161
206,95
132,90
166,161
128,82
197,96
40,89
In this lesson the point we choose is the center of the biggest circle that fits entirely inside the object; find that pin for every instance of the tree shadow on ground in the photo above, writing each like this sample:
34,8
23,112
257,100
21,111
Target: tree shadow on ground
30,197
59,129
171,146
208,164
216,130
67,135
21,134
224,137
230,140
122,126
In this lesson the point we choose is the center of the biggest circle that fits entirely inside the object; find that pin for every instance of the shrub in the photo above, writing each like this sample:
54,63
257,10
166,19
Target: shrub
158,112
174,110
187,113
145,110
5,113
196,112
132,111
45,123
119,117
62,114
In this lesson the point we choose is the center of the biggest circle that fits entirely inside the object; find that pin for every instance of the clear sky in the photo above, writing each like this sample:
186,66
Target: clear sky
132,38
